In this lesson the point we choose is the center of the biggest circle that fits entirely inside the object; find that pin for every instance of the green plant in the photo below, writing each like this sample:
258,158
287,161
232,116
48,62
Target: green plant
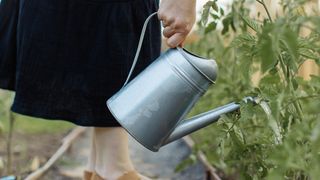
11,123
7,114
285,143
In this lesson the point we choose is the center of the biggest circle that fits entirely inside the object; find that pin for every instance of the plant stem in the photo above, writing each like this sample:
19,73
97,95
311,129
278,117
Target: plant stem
300,98
9,143
288,76
229,130
284,70
266,9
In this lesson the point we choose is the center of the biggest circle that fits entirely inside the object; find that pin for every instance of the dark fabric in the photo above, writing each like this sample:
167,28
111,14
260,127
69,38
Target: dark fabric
8,30
65,58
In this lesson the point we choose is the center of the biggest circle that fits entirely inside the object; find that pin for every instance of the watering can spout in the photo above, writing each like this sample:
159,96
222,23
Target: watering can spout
197,122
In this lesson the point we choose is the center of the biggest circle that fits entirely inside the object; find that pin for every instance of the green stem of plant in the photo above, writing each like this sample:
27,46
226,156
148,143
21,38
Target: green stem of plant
301,98
229,130
287,76
266,9
283,68
248,24
296,104
9,143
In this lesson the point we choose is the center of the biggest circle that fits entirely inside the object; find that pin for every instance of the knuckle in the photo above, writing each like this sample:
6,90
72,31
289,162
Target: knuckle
170,19
177,25
188,29
165,34
161,15
181,25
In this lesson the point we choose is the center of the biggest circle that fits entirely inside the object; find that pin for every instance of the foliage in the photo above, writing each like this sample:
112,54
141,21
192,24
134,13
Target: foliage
285,143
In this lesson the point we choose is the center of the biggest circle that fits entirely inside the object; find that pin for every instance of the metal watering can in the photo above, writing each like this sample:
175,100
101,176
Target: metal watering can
152,107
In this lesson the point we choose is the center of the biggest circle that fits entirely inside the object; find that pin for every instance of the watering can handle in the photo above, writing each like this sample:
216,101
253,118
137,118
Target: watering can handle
143,31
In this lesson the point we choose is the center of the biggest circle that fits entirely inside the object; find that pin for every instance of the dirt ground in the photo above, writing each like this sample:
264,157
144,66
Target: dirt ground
32,150
29,151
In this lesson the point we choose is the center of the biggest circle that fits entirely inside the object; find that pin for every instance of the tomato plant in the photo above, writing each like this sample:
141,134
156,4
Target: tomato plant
281,144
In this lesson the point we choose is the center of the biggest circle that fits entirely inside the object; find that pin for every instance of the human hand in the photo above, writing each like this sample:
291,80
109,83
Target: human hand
178,17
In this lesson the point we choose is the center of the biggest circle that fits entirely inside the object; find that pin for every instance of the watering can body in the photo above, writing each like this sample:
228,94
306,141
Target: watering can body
153,105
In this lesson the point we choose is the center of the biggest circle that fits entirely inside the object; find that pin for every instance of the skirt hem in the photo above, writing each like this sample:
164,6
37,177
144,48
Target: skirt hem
46,116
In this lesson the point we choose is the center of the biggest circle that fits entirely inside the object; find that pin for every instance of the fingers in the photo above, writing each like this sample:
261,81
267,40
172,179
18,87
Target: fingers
166,21
168,32
177,17
180,24
175,37
176,32
176,40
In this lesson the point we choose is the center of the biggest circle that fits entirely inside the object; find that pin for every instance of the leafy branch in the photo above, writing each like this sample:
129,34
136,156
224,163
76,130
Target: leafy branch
275,51
266,8
300,98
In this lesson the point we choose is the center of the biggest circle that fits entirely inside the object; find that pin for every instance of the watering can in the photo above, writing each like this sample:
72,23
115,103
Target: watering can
153,105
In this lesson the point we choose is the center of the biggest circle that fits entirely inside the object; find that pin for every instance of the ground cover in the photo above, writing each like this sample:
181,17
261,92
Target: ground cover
33,140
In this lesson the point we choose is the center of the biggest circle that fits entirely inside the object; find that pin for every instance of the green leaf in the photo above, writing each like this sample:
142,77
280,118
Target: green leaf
214,16
273,71
185,163
268,53
206,11
272,122
237,137
221,12
295,84
251,23
290,39
270,80
215,6
212,26
227,21
245,39
308,53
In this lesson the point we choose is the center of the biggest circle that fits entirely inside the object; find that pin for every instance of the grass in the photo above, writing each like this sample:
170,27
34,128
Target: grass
27,124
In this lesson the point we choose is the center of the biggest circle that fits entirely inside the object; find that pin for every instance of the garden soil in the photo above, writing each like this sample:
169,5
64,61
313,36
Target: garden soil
32,149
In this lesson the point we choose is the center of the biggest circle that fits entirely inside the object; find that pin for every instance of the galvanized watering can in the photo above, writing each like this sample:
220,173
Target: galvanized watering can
152,107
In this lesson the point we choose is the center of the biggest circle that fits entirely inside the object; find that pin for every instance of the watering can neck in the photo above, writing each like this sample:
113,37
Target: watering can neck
199,121
207,67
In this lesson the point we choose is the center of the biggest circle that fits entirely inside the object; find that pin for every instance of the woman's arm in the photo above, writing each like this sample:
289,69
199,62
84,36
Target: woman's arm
178,17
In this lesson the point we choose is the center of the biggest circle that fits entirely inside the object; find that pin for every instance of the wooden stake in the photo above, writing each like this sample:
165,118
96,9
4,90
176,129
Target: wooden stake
66,143
202,158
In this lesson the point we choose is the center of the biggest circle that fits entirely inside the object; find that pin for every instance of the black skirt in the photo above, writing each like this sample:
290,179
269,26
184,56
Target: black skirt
65,58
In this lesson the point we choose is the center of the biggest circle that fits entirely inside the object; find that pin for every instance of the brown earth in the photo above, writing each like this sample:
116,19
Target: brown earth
29,151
